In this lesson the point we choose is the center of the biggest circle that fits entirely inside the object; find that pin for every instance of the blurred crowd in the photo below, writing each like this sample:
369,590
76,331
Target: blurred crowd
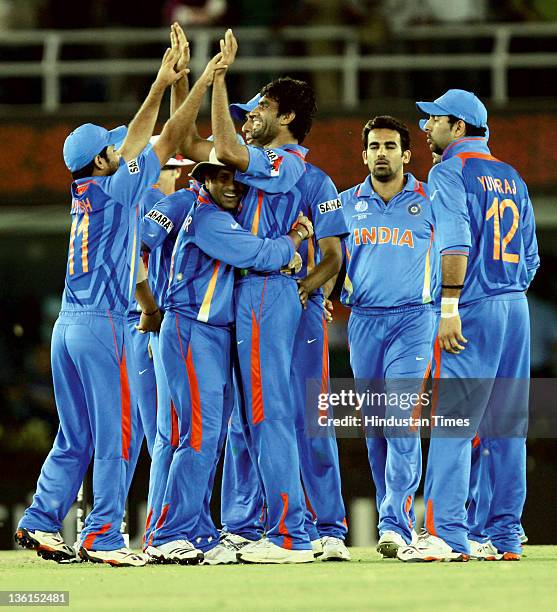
28,14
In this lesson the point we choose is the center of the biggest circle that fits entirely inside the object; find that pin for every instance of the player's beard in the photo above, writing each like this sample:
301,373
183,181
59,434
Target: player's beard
383,174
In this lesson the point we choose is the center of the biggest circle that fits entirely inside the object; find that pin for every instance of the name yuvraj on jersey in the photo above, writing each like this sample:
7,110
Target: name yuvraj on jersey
161,219
384,235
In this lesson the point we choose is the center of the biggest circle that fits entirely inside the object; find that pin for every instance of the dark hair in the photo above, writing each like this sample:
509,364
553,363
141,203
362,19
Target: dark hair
89,168
471,130
386,122
295,96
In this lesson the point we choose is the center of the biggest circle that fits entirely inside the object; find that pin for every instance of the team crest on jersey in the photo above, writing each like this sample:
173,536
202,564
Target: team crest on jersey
275,160
361,206
414,209
161,220
329,206
133,166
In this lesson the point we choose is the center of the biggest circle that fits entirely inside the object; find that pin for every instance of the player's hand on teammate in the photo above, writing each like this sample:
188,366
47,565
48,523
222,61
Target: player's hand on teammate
179,40
149,322
166,75
328,310
303,292
303,223
450,335
294,265
228,48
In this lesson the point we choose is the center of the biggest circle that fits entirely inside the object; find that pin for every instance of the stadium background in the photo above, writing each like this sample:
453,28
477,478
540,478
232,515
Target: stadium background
363,57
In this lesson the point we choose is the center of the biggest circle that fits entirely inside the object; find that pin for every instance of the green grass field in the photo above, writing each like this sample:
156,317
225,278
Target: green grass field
367,583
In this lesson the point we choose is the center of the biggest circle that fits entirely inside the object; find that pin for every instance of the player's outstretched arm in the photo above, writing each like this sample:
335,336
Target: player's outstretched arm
142,125
229,151
180,131
180,88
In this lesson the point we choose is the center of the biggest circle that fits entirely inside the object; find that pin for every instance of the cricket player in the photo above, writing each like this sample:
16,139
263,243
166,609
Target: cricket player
147,383
265,303
91,341
488,244
389,286
242,502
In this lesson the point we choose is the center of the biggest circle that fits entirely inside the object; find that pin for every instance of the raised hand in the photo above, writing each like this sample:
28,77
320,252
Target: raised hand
166,74
215,64
228,48
178,39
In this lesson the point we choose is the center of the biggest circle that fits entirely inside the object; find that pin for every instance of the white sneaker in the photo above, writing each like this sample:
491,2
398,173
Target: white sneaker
317,547
415,537
264,551
429,548
225,551
177,551
389,543
334,549
481,551
122,557
49,546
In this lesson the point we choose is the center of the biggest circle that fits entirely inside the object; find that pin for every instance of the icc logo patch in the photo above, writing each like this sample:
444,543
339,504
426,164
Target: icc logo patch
361,206
414,209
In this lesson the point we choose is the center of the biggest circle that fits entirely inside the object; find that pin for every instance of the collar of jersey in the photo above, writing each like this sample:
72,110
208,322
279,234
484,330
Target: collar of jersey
471,144
365,190
296,149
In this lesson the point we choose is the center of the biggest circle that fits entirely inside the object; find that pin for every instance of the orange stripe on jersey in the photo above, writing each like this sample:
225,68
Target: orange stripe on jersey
174,426
407,507
72,248
476,441
257,409
436,376
325,361
296,153
257,215
283,530
203,314
90,539
126,408
430,519
419,188
162,517
464,157
196,435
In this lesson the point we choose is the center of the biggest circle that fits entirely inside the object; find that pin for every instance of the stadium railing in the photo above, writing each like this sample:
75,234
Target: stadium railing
350,61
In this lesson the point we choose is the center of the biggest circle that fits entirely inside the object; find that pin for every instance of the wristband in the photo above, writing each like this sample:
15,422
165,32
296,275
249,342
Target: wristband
452,286
150,314
449,308
300,234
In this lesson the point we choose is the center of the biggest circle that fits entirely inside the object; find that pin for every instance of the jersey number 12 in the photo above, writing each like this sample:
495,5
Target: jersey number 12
497,211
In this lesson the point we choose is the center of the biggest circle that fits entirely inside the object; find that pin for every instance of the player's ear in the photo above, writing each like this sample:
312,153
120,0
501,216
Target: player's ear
178,173
406,155
287,118
364,156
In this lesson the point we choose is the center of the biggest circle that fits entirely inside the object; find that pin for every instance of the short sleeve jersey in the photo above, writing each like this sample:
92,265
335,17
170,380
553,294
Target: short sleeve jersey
104,239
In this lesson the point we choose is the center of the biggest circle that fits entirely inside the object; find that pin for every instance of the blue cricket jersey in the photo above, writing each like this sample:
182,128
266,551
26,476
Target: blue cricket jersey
271,206
159,230
389,253
482,208
104,238
210,244
282,184
150,197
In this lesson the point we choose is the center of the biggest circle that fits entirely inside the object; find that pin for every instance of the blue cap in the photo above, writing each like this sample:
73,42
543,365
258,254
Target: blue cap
460,103
238,111
88,140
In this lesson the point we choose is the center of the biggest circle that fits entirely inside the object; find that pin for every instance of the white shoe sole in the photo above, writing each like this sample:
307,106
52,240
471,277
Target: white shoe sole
87,556
307,558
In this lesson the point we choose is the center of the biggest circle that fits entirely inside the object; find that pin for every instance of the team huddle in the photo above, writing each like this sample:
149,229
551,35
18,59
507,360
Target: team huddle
242,263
